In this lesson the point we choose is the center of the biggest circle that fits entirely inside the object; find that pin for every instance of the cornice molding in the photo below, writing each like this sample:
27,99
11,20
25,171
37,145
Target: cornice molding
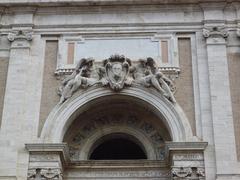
213,5
186,146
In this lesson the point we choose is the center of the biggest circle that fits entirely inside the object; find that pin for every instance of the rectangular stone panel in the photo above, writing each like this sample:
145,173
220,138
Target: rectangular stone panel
164,49
184,84
70,58
234,74
50,83
133,48
3,78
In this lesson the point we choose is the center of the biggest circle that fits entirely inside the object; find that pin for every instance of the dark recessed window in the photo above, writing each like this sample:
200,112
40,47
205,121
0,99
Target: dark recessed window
118,149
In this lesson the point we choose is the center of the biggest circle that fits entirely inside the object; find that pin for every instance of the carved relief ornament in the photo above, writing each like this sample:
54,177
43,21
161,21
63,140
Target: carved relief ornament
20,35
44,173
215,32
181,172
188,173
117,72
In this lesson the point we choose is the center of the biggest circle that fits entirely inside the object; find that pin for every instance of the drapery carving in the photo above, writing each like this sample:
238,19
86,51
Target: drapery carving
116,73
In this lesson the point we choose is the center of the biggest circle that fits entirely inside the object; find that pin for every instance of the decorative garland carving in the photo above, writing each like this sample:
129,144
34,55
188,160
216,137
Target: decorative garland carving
116,73
20,35
181,172
44,173
215,32
188,173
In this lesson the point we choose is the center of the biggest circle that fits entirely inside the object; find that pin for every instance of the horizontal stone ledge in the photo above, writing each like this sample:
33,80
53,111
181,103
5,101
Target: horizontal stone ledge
61,148
101,2
119,164
186,146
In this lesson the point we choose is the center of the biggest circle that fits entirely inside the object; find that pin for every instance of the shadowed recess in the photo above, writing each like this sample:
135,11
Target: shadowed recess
118,149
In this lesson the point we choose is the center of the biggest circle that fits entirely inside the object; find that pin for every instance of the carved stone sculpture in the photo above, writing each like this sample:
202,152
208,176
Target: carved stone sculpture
148,74
80,78
117,72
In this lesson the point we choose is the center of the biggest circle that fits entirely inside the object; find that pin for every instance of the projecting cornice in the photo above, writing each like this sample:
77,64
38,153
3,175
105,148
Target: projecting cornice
103,2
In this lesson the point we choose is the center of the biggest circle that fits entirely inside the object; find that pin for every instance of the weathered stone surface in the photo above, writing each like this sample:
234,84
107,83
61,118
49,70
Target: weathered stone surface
184,83
3,78
117,72
195,44
50,84
234,73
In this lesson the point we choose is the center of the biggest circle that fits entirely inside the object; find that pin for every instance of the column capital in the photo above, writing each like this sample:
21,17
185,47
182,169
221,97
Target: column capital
20,39
215,31
215,34
20,35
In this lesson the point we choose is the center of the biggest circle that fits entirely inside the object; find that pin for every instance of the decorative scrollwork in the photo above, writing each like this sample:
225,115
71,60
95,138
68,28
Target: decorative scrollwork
215,32
20,35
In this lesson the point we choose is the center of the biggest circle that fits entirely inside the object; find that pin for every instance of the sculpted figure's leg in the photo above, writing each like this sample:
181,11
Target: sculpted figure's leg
66,93
77,82
168,91
156,84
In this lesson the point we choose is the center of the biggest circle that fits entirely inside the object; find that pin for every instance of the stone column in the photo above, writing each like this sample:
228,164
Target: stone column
47,161
187,160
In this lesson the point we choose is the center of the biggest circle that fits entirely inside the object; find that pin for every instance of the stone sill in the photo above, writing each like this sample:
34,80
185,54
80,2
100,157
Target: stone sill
102,2
118,164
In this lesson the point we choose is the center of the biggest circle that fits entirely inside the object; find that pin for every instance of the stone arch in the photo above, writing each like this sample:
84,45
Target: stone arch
63,115
144,141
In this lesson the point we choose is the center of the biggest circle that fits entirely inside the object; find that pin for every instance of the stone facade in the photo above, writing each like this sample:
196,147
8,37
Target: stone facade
75,74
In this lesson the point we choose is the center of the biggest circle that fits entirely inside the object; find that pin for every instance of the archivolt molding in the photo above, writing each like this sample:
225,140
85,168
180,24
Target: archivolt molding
63,114
145,142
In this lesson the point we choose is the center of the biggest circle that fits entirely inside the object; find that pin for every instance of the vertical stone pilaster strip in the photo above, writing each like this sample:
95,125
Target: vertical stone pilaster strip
234,71
220,99
216,33
16,81
15,109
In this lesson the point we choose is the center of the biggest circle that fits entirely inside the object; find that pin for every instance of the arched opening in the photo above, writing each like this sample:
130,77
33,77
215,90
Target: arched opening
63,115
112,123
117,147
